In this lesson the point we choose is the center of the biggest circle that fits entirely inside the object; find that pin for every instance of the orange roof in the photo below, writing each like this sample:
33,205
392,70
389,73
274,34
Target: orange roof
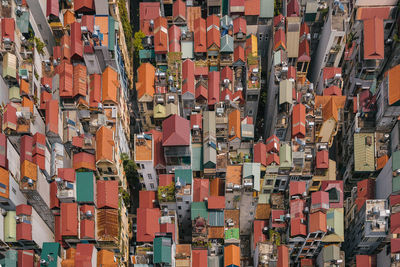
179,9
299,121
24,87
232,255
52,112
374,46
69,218
145,84
330,105
69,17
215,232
144,152
80,78
109,80
279,39
234,124
200,35
102,22
381,162
27,103
234,174
251,7
104,145
174,37
371,12
393,76
160,35
283,256
192,13
317,222
105,258
84,160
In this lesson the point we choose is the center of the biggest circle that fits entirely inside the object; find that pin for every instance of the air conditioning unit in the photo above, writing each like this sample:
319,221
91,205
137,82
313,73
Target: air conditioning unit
196,127
84,29
236,187
231,224
65,194
171,99
186,191
114,112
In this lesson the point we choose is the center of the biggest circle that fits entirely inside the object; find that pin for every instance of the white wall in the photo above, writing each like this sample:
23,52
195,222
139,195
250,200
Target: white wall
40,231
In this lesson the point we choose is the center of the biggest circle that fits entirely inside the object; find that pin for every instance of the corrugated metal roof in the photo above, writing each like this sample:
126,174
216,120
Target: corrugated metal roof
69,219
162,250
232,255
252,170
76,40
52,8
176,131
51,249
335,220
80,77
107,225
197,157
185,176
285,91
148,224
109,85
23,22
285,156
85,187
105,145
293,36
226,44
198,209
364,152
216,218
266,8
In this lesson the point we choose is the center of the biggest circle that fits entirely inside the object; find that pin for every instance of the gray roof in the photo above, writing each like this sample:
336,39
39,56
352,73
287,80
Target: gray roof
226,44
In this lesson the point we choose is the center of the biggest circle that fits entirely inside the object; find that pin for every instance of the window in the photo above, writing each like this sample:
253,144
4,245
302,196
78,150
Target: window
180,216
149,105
149,176
269,181
283,182
267,191
187,202
260,36
179,207
141,107
151,185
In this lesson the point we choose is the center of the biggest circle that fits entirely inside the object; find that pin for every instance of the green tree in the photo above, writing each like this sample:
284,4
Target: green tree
137,41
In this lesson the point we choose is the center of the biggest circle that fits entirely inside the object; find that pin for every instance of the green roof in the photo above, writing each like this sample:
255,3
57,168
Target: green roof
396,160
252,170
10,227
84,187
111,33
146,54
335,219
232,233
277,57
266,8
51,249
199,209
213,68
364,152
23,22
396,184
285,156
185,176
226,44
197,158
216,218
10,259
331,253
162,250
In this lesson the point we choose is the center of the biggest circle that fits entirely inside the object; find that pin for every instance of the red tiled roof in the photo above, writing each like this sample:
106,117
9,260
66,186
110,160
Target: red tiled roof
260,153
8,28
199,257
304,29
279,40
95,90
213,87
196,119
83,254
283,256
251,7
67,174
216,202
236,3
107,194
174,36
272,144
292,72
322,159
365,260
319,200
258,231
188,77
297,228
201,91
239,25
160,35
297,208
227,73
297,188
394,200
83,6
330,72
366,188
193,13
304,51
374,46
238,96
69,219
147,224
159,160
165,179
306,262
213,34
273,158
76,40
226,93
176,131
149,10
395,245
278,19
84,160
293,8
52,8
179,9
200,189
88,21
395,223
146,199
299,121
332,90
275,218
317,222
238,54
200,36
328,185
